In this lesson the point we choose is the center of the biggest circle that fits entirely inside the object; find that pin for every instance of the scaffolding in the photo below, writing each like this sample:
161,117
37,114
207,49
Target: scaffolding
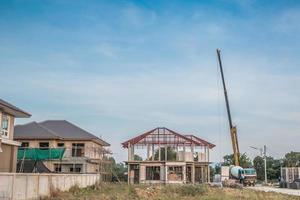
75,159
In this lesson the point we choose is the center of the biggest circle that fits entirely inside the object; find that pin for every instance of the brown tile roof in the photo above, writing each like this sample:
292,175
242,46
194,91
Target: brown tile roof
13,110
55,129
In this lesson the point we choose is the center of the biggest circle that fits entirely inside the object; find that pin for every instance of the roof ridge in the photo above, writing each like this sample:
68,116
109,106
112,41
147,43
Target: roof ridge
80,128
49,130
26,123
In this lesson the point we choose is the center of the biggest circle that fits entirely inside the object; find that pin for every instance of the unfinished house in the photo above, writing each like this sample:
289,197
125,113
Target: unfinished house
165,156
9,147
61,147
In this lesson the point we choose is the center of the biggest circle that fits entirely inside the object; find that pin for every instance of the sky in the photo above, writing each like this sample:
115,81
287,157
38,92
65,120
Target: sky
120,68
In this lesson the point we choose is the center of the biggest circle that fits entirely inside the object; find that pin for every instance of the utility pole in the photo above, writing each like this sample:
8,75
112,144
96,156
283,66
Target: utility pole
263,152
265,157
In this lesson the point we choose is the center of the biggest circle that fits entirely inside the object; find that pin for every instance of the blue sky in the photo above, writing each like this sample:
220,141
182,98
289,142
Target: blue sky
119,68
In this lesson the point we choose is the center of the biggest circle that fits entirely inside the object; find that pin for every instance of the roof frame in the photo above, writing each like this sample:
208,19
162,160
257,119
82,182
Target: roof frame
165,136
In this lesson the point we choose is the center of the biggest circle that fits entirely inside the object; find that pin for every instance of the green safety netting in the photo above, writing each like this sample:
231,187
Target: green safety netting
40,154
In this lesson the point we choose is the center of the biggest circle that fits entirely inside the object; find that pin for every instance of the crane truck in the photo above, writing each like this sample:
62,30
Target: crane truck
235,173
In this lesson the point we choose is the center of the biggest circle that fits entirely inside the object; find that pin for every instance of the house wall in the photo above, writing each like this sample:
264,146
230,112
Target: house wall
91,151
8,158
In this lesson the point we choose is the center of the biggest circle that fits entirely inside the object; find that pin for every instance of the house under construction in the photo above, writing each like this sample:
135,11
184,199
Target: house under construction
170,157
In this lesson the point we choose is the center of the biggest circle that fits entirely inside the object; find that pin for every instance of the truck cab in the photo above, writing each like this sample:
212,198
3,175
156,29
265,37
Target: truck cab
248,176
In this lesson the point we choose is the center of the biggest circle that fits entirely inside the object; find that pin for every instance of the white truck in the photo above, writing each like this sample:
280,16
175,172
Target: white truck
237,175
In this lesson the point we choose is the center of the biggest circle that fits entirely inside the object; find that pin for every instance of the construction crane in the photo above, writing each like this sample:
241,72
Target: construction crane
247,176
233,130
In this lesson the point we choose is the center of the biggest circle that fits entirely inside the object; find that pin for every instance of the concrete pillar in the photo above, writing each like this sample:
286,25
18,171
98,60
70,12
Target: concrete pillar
166,153
184,173
192,150
177,157
183,153
205,154
148,152
159,153
166,173
153,152
202,175
193,174
132,152
128,174
208,174
129,152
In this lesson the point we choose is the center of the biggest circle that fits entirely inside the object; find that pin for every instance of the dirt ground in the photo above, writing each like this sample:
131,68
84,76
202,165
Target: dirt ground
168,192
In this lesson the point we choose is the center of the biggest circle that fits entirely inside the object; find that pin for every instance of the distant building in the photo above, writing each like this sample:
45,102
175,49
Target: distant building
62,147
8,147
170,157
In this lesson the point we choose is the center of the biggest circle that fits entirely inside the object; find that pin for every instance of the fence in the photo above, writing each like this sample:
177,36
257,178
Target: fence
289,174
21,186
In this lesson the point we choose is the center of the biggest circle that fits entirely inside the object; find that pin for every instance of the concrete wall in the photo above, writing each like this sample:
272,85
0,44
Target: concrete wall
8,158
19,186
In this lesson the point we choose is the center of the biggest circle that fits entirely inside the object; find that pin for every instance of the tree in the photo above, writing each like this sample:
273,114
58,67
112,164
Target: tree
258,164
212,172
119,171
292,159
218,168
273,168
245,162
171,154
137,158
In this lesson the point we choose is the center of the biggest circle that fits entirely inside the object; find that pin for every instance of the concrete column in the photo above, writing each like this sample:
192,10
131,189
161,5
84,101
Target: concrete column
202,175
177,157
208,174
159,153
129,152
205,154
148,152
128,174
132,152
166,153
152,152
166,173
184,173
183,153
193,174
192,150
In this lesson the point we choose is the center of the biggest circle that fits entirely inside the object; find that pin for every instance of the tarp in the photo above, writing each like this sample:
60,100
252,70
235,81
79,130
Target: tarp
32,166
40,154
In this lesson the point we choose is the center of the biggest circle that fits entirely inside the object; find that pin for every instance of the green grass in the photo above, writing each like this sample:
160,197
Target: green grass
166,192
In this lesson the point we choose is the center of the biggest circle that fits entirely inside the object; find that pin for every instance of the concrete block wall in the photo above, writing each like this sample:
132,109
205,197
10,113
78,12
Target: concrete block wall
21,186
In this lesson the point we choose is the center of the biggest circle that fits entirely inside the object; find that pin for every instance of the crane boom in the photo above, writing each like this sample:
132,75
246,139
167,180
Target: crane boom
233,131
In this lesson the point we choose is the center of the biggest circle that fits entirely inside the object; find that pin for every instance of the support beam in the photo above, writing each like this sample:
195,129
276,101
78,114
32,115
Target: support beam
152,152
183,153
166,173
128,174
193,174
159,153
148,152
129,152
208,174
166,153
205,154
184,173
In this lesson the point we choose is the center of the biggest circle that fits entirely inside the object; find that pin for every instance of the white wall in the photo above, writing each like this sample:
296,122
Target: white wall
17,186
